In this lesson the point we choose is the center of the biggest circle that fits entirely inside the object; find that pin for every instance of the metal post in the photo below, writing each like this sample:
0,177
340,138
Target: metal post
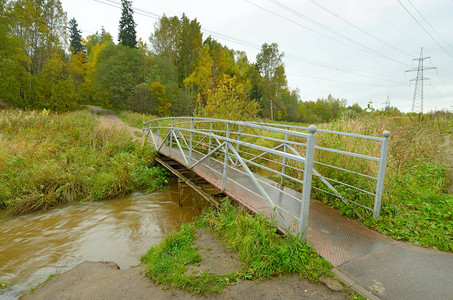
285,146
191,139
380,180
171,137
238,139
225,163
306,190
158,132
210,131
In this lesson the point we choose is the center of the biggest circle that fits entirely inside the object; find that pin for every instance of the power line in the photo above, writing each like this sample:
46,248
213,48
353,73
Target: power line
359,47
258,47
374,52
444,84
364,2
424,28
338,68
429,24
335,80
356,27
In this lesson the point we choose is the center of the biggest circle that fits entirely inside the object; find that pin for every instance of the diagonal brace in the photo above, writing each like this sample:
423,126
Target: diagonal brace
260,188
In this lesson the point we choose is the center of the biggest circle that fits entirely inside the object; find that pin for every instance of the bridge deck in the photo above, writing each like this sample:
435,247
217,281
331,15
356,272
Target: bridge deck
337,238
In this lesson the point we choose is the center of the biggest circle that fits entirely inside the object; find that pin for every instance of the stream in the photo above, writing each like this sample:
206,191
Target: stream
34,246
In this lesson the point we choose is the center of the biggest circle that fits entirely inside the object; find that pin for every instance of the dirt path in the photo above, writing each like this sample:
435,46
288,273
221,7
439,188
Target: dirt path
104,280
110,117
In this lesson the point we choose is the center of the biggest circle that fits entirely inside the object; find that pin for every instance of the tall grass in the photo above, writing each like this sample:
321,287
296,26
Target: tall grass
416,205
135,119
47,159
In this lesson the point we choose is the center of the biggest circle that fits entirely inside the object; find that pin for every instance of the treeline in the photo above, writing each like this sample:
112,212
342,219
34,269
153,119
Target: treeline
46,63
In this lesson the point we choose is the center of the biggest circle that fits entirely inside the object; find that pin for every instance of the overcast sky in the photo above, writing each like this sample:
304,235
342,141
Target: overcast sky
358,50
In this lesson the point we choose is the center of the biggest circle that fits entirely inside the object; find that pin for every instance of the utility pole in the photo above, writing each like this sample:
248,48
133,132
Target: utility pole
417,102
387,102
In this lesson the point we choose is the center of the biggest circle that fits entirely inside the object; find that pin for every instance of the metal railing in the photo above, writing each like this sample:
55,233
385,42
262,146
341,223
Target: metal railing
378,146
285,154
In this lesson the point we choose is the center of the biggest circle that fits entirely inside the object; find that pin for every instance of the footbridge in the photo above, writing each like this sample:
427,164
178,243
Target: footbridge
277,169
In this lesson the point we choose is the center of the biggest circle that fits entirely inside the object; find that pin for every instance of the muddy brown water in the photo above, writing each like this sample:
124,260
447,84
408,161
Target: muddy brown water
34,246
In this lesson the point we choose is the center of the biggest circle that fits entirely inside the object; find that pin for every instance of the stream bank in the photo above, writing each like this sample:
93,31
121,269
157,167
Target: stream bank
105,280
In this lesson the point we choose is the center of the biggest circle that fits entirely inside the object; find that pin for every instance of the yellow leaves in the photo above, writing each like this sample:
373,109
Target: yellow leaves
201,79
77,66
229,100
159,93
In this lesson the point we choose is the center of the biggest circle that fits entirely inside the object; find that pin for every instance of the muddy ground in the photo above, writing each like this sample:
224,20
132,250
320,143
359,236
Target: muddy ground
104,280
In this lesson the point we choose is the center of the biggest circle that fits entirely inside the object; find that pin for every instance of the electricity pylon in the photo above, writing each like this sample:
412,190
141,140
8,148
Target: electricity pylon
417,102
387,103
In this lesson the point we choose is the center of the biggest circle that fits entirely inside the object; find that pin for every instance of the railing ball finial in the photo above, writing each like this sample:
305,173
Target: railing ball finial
312,129
386,134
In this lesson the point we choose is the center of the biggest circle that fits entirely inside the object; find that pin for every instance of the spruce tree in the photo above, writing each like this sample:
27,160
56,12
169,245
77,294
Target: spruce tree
75,38
127,35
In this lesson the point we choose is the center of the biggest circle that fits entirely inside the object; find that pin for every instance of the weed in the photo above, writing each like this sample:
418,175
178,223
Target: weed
49,278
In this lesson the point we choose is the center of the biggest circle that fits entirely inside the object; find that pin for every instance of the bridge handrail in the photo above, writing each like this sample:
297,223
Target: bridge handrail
185,127
295,133
367,137
248,124
245,144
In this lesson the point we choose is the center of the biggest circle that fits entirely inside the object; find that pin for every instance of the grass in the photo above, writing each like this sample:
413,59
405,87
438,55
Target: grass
135,119
417,206
48,159
49,278
262,251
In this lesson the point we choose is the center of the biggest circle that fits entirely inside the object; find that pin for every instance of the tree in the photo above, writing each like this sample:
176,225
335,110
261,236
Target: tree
95,44
119,70
127,35
77,69
146,56
55,89
322,110
42,27
229,100
166,37
159,94
201,78
142,100
272,70
289,105
12,60
189,46
75,39
223,59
